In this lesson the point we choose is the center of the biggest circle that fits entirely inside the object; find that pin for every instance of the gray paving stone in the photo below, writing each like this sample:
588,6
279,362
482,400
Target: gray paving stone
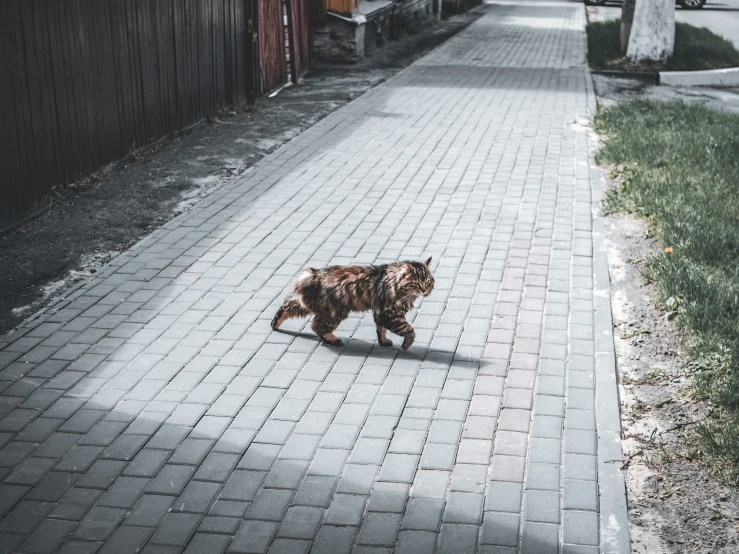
423,514
315,490
99,523
286,474
197,497
398,468
378,426
219,524
53,486
579,466
217,467
458,538
545,450
146,463
579,495
469,478
358,479
419,542
269,504
30,471
430,484
463,507
438,456
300,447
379,529
328,462
289,546
388,497
149,510
334,539
176,529
580,527
124,539
124,492
79,547
346,509
253,536
455,410
171,479
501,529
542,506
579,441
540,538
445,431
301,522
75,504
208,543
47,536
25,516
543,476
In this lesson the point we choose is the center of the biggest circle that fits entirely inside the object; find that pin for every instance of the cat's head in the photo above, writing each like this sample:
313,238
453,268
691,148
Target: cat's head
419,280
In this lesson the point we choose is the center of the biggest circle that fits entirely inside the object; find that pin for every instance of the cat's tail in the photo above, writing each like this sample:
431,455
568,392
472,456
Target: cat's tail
294,306
291,308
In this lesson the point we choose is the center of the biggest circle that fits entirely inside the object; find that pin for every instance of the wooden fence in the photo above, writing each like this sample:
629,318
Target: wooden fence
83,81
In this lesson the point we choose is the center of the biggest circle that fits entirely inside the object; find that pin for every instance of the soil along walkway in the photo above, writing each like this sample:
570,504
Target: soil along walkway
156,407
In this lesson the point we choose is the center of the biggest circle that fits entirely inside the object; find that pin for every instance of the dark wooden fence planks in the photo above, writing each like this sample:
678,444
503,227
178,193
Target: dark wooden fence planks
85,81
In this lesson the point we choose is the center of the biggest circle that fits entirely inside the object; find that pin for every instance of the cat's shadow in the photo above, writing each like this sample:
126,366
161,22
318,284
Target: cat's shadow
365,348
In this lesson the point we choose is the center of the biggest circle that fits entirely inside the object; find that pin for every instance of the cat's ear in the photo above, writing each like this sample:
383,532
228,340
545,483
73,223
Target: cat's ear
427,263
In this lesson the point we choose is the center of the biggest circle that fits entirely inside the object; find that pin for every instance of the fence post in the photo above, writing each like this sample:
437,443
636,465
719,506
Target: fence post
291,41
251,44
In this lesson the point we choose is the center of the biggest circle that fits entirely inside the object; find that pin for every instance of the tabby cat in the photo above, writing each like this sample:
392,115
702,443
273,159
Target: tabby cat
333,293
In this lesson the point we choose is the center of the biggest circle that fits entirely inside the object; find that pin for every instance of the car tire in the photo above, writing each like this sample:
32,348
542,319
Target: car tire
691,4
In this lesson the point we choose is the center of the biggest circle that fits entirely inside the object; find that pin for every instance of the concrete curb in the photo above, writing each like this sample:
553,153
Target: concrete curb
728,77
614,521
649,77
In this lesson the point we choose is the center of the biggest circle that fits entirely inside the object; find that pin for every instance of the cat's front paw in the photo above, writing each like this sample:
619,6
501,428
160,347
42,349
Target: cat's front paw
385,342
336,342
408,342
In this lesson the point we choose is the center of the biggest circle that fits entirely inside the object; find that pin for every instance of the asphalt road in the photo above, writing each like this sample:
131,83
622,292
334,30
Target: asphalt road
721,17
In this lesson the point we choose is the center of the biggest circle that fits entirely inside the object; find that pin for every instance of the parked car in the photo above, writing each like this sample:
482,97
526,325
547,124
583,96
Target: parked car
685,4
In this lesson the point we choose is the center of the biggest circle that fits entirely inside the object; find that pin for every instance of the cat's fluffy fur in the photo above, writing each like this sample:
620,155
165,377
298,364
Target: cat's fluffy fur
333,293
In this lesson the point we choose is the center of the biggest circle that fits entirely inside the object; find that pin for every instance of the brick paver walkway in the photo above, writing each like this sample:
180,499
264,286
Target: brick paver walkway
154,408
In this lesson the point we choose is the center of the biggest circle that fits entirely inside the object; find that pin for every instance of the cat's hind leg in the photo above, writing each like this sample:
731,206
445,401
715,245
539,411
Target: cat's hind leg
291,308
381,331
324,327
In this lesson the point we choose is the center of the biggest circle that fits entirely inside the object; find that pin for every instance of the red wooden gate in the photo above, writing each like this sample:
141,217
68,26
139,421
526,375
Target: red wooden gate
272,55
299,20
284,42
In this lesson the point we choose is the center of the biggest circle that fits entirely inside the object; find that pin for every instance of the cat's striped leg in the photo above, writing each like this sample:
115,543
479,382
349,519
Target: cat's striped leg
325,327
381,331
397,324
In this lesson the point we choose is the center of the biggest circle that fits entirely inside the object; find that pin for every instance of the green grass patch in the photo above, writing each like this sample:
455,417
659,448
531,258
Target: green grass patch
695,48
679,167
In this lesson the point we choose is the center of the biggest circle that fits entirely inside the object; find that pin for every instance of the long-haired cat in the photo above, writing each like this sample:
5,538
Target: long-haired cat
333,293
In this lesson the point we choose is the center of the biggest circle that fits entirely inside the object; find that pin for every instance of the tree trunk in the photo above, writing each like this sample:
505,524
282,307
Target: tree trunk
627,18
653,31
